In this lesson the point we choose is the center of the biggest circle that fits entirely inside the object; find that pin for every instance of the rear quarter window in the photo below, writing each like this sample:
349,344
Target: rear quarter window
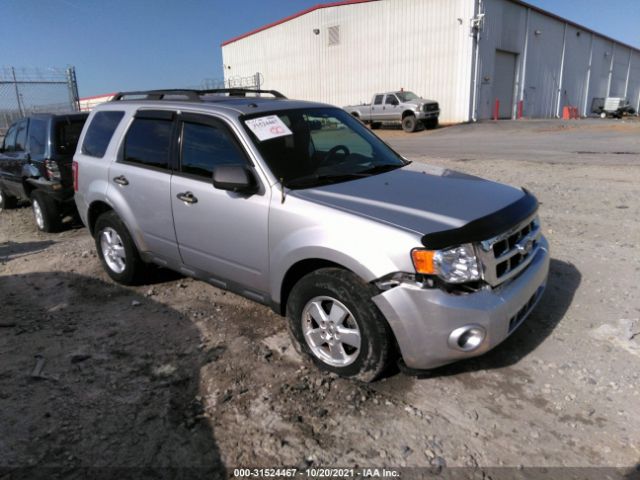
100,132
67,135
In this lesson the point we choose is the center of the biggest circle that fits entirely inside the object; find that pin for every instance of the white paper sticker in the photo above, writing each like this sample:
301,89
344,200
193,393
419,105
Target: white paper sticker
266,128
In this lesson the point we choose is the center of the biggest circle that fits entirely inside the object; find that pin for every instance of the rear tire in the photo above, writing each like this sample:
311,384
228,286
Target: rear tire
7,201
117,251
332,319
409,123
46,212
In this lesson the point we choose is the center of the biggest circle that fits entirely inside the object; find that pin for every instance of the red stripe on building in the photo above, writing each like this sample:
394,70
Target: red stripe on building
296,15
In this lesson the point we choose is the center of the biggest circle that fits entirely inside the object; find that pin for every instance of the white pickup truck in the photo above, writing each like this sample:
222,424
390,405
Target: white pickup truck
403,106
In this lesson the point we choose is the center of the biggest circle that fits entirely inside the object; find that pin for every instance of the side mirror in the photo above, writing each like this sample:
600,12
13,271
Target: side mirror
235,178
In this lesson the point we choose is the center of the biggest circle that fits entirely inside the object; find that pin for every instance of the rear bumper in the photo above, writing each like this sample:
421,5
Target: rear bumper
55,190
424,321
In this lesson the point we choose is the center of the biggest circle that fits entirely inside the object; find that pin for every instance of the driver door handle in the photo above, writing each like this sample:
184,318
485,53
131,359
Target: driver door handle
121,180
187,197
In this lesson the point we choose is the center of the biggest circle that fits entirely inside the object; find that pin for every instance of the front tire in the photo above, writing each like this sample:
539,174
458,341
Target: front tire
431,123
117,251
409,123
45,212
332,320
6,201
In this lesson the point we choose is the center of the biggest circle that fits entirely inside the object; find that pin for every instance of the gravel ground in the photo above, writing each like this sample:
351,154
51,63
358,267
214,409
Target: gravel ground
180,374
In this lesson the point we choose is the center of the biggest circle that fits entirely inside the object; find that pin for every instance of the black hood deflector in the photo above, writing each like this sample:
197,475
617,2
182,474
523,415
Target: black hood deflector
485,227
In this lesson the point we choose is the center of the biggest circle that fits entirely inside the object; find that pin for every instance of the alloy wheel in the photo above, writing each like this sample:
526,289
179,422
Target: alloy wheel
113,250
39,215
331,331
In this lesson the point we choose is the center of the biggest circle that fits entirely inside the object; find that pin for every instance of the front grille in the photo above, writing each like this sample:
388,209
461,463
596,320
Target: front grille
430,107
524,311
507,254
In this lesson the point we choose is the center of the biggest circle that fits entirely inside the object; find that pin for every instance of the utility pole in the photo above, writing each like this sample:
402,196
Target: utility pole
15,84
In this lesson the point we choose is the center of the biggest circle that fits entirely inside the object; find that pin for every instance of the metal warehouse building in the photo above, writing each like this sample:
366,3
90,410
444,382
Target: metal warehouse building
466,54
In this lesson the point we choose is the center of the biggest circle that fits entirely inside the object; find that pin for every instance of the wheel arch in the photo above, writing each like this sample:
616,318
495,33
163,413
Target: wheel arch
296,272
28,188
407,113
96,209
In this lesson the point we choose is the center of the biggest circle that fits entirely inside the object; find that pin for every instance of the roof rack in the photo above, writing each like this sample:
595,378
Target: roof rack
191,95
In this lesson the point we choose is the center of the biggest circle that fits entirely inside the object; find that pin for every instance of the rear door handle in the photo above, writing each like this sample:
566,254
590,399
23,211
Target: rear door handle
121,180
187,197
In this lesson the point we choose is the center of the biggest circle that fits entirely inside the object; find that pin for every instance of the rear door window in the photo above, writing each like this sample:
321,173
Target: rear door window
378,100
100,132
37,142
148,142
204,146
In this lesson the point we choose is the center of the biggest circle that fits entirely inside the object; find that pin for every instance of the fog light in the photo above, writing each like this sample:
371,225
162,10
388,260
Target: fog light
467,338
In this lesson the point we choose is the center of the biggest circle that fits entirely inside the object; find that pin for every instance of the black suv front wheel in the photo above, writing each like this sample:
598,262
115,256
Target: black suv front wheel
7,201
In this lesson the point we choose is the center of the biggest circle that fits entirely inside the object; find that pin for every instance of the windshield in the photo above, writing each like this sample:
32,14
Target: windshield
315,146
406,96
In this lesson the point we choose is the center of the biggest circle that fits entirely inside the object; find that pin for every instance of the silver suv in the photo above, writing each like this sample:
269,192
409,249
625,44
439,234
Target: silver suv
299,206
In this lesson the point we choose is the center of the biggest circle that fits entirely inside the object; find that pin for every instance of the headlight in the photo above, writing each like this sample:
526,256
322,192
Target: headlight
419,107
453,265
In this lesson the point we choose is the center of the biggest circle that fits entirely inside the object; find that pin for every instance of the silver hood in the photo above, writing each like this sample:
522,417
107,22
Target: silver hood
419,198
420,101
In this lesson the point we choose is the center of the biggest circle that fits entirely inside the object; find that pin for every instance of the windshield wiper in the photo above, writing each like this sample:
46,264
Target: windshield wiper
315,179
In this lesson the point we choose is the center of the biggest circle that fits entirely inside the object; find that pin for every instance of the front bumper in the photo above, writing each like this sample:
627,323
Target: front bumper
427,115
424,319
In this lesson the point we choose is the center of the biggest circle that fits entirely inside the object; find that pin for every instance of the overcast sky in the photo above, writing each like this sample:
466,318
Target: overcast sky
141,44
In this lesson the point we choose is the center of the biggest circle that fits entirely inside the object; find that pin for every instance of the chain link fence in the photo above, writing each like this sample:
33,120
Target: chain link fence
25,91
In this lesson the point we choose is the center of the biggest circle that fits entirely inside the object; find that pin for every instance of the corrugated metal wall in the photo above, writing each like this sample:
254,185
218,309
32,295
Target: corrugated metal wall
419,45
633,92
426,46
558,64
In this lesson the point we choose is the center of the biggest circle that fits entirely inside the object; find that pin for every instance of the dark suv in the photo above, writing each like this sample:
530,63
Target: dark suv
35,165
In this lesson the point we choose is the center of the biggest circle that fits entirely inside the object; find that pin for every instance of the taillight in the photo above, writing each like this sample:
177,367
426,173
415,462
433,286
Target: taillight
74,170
53,171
